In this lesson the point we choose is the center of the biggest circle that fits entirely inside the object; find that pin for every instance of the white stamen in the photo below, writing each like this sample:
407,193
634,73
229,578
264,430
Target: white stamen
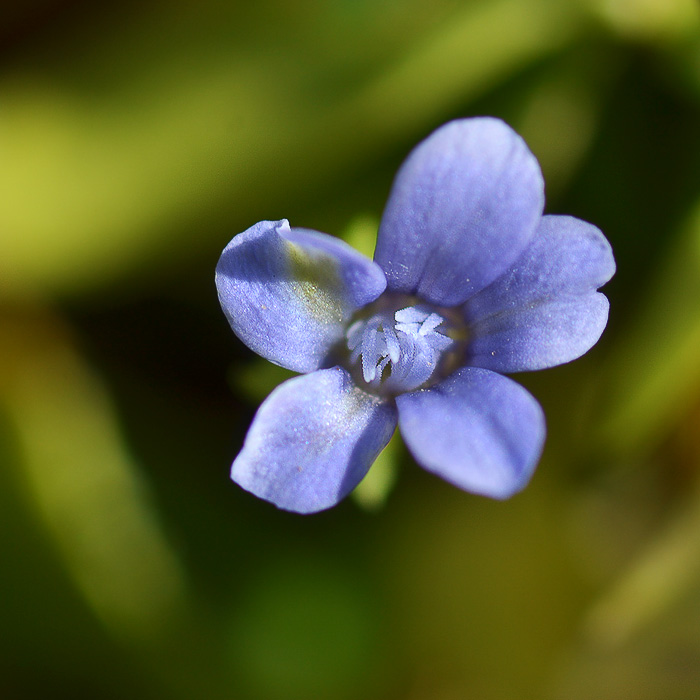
406,341
410,315
369,353
392,344
430,324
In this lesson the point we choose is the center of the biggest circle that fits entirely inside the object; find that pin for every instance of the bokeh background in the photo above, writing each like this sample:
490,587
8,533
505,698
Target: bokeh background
136,138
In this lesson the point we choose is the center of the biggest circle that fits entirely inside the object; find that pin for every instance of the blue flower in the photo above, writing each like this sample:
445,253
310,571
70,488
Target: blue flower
469,281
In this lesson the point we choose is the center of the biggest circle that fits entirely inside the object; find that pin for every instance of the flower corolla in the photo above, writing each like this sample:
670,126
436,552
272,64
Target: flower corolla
470,281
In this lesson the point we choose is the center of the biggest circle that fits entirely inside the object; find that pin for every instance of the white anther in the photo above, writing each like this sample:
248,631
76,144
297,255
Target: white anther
410,315
430,324
392,344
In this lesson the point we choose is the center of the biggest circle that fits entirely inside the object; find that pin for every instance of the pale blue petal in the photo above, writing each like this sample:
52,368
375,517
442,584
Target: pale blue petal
545,309
463,206
476,429
288,293
312,441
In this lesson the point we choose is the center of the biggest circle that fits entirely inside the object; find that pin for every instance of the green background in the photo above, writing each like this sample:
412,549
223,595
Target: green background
135,140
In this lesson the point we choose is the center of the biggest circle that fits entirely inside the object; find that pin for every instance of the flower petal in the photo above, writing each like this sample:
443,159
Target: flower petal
312,441
288,293
464,204
476,429
544,310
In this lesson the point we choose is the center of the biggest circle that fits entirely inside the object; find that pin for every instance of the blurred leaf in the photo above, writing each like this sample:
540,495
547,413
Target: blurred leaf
374,489
361,234
562,113
473,583
257,378
650,19
655,580
304,630
653,374
83,484
480,46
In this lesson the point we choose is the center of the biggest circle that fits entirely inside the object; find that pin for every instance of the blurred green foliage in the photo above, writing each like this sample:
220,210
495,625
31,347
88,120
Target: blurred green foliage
135,140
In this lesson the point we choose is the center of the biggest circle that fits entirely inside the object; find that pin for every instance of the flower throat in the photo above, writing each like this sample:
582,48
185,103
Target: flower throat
399,344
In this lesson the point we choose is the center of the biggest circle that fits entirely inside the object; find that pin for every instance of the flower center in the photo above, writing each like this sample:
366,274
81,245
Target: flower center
396,347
